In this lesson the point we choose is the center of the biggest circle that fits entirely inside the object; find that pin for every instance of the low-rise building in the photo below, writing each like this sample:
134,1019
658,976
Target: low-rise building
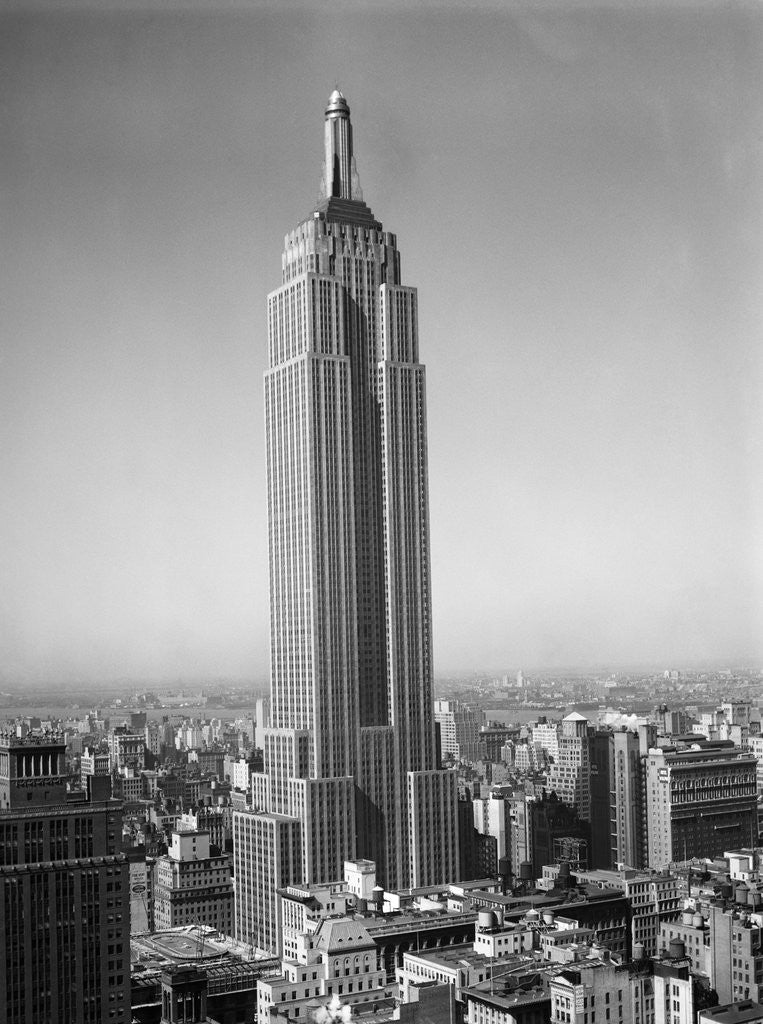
594,985
339,961
456,966
692,929
679,994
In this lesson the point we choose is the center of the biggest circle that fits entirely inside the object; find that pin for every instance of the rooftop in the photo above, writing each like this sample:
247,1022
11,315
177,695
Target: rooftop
410,920
509,997
735,1013
335,935
190,944
31,739
453,956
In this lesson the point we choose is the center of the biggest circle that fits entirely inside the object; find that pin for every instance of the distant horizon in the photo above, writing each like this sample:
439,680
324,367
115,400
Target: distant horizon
465,675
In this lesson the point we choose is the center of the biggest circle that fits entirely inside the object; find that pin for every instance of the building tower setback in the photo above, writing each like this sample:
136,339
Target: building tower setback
350,750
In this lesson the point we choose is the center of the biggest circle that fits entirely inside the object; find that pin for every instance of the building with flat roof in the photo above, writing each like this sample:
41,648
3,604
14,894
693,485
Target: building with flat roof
745,1011
652,899
570,773
64,893
546,736
461,728
231,973
127,748
267,857
508,1000
679,993
701,799
94,762
193,885
735,953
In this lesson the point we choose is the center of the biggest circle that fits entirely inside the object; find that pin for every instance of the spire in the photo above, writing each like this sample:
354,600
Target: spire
339,164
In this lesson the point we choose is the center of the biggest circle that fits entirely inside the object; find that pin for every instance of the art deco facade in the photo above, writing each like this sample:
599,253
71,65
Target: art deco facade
350,751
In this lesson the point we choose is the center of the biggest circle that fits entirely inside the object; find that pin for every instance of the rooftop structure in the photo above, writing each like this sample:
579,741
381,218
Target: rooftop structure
745,1011
32,769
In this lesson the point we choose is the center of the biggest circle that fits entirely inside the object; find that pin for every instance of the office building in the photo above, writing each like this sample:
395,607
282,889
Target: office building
592,989
141,890
94,762
679,994
602,799
492,816
153,737
546,736
671,722
64,893
701,800
495,738
735,953
653,901
570,774
266,857
193,885
127,748
520,850
215,819
557,833
350,751
627,829
237,771
460,729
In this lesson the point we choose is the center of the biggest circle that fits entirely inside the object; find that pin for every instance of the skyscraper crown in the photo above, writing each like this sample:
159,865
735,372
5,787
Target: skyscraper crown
340,174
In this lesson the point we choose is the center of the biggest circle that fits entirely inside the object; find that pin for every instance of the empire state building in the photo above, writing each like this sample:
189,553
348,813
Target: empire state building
351,760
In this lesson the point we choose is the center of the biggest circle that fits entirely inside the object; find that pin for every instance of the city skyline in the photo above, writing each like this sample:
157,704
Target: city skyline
581,219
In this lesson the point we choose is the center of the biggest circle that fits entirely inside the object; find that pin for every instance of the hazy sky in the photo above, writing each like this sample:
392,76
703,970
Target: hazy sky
576,192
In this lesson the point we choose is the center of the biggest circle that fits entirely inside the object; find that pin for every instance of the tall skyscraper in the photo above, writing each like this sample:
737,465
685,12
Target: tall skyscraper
628,750
351,752
64,891
602,789
570,775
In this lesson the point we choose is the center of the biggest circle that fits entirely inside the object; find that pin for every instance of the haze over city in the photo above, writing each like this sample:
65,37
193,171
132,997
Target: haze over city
576,196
